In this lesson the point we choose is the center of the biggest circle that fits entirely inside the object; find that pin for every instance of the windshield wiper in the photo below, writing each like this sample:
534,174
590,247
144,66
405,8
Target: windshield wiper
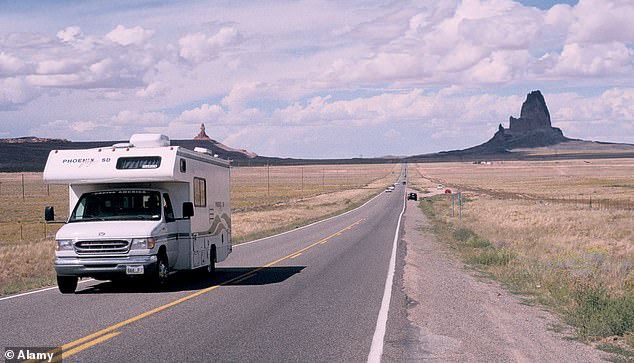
87,219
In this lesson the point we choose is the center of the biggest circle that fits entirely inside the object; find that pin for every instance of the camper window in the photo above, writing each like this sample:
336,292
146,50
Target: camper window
167,208
118,205
200,192
142,162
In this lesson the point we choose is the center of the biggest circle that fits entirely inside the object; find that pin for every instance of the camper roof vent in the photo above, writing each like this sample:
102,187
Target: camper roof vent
202,150
149,140
122,145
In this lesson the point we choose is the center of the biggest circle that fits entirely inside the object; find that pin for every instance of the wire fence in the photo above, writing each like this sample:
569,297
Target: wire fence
24,195
582,202
616,202
254,187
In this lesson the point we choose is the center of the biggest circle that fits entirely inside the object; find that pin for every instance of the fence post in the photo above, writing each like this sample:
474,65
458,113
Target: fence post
460,205
323,178
23,193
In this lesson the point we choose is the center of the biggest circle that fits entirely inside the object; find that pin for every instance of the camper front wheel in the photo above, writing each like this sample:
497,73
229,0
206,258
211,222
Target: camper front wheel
67,284
162,271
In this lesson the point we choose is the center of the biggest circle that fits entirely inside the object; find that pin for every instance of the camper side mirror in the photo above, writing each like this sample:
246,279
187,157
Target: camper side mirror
49,214
188,209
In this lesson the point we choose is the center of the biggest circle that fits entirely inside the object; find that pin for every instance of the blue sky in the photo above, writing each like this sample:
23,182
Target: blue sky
315,78
547,4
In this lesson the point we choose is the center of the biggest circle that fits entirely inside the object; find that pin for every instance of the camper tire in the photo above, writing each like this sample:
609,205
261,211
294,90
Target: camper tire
67,284
161,275
211,268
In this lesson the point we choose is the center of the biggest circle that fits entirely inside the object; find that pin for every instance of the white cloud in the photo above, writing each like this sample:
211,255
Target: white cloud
134,119
70,34
10,64
198,47
78,61
15,91
154,89
602,21
84,126
594,59
435,110
499,67
620,102
605,117
392,135
243,92
445,43
51,66
102,68
126,36
54,80
204,113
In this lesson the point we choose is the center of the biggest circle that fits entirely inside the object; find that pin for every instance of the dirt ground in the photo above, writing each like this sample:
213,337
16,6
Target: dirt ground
459,316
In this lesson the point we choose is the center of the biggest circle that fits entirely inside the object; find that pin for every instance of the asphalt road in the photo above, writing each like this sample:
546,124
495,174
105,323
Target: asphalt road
310,295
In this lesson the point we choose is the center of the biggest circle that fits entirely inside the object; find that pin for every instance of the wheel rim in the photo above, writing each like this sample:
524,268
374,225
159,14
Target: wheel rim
163,272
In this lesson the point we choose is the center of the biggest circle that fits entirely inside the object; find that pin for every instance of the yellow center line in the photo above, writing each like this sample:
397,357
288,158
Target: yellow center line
66,354
106,333
248,276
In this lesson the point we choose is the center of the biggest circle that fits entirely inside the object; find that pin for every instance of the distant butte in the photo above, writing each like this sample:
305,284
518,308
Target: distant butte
532,129
531,136
30,139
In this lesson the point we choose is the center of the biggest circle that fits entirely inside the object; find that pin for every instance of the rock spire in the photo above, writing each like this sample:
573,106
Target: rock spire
202,135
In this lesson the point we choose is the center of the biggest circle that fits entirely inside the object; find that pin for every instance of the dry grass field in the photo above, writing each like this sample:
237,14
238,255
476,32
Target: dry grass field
559,231
264,201
269,200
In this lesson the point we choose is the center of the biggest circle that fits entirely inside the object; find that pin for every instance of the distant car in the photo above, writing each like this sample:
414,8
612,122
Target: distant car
404,182
439,186
412,196
388,190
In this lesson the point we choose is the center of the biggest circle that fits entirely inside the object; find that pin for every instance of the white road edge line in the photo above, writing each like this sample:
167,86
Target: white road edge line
238,245
376,349
40,290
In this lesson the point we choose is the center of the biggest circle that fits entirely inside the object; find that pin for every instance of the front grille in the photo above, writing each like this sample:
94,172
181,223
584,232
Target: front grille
102,247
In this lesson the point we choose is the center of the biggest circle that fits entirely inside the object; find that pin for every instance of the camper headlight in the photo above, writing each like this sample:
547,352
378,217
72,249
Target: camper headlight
143,243
64,245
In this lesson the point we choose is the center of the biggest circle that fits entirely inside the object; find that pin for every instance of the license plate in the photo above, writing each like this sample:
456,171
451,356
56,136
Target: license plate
134,270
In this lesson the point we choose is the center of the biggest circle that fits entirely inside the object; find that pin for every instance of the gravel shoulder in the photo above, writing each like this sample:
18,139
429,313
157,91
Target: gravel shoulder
456,315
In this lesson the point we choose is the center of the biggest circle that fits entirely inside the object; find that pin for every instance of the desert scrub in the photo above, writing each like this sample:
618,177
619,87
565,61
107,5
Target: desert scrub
598,312
573,261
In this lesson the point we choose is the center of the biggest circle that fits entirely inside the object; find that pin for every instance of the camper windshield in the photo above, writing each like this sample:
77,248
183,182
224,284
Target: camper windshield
118,205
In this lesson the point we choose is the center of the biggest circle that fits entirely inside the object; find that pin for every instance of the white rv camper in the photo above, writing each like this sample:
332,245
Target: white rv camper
143,208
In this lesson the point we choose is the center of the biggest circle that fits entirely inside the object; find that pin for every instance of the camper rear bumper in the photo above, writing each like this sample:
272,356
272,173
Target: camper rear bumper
103,267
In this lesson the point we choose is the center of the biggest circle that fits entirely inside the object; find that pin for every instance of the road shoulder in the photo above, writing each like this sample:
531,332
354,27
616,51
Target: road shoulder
457,316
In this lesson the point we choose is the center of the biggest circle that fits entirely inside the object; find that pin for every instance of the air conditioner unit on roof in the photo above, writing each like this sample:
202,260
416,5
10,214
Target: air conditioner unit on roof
149,140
